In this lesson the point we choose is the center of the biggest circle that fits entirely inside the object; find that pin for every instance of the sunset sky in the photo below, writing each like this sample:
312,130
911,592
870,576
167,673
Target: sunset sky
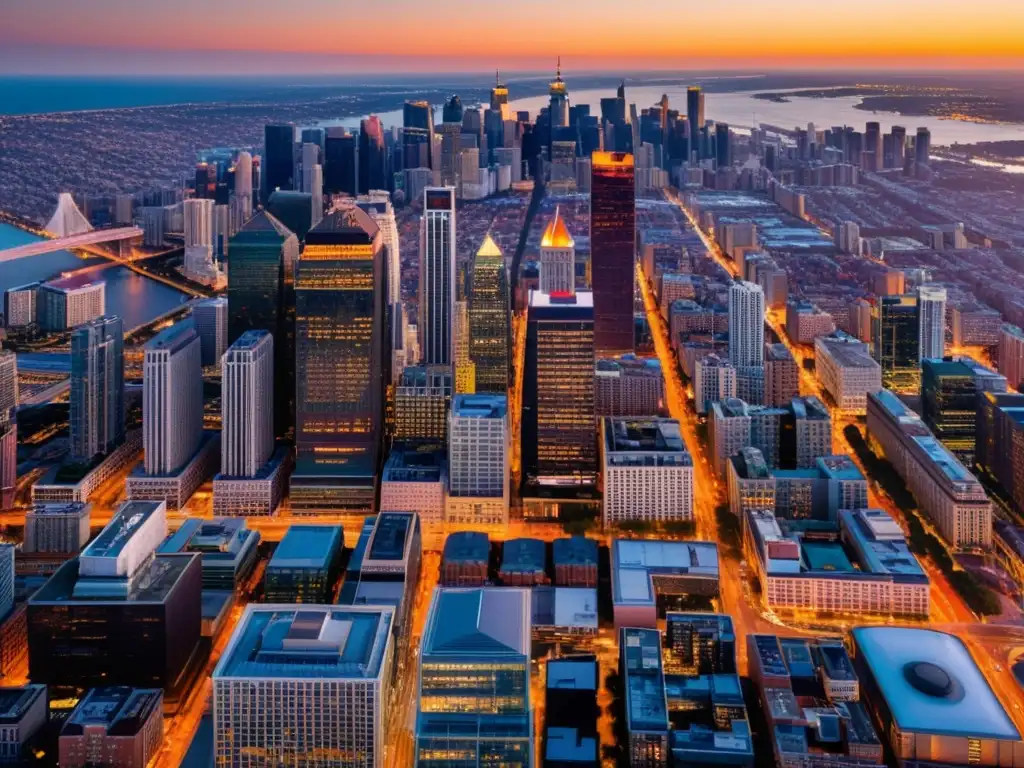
291,36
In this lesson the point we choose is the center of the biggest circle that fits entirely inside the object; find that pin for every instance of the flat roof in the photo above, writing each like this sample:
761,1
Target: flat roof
174,338
574,550
839,467
826,556
931,684
390,536
122,710
578,300
573,607
308,546
634,561
485,622
523,555
880,543
411,466
480,406
126,522
310,641
467,546
646,704
15,702
219,539
152,583
847,351
643,435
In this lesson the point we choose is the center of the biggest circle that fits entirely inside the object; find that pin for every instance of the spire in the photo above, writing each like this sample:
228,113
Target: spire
489,248
556,234
497,79
558,70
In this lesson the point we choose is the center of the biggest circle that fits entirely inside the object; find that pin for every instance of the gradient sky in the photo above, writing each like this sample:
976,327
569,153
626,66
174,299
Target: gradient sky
286,36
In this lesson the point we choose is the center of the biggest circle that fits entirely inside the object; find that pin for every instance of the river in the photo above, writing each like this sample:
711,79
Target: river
135,298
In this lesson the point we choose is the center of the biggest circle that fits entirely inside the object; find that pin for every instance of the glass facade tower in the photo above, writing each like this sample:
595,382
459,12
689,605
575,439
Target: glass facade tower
897,342
612,251
489,319
278,166
97,387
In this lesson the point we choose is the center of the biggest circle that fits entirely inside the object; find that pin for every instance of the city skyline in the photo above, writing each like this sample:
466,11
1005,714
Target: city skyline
187,38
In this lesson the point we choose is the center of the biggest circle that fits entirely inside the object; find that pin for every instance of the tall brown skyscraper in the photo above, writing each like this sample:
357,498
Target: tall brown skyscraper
612,251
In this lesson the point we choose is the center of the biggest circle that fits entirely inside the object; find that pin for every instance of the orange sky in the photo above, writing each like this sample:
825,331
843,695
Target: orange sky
528,34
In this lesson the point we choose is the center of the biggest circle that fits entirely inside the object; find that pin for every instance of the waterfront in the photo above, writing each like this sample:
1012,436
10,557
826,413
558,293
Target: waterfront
135,298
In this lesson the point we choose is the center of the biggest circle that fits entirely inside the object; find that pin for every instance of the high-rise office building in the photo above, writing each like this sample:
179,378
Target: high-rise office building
474,679
723,147
172,399
8,383
247,436
340,348
243,184
557,257
417,134
377,203
6,580
558,109
372,155
261,296
1011,355
211,319
57,528
896,335
695,117
311,682
97,387
489,319
950,401
340,162
478,463
452,111
437,276
278,162
198,215
558,432
499,96
612,251
422,398
923,146
746,324
931,309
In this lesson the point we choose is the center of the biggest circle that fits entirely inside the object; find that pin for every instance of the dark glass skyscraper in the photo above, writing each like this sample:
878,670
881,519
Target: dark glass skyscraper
97,387
278,166
950,405
261,296
340,162
489,319
897,342
923,146
612,251
695,116
452,110
559,442
340,350
372,155
723,148
417,134
437,277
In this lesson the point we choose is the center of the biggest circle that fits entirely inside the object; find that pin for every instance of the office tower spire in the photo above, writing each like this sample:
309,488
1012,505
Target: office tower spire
612,251
489,319
97,387
437,276
557,257
559,110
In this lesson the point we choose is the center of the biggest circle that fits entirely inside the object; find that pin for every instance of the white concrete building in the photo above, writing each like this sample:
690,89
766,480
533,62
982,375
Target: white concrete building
746,324
60,528
714,379
846,372
557,258
247,435
478,462
931,309
647,471
172,399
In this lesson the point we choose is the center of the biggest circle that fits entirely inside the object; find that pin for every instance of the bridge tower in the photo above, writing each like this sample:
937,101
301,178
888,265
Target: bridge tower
67,220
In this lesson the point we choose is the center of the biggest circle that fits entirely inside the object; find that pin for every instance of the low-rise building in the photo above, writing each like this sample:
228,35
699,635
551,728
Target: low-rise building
647,471
305,566
575,561
227,546
115,725
466,559
866,568
415,480
846,372
523,563
23,711
57,528
649,577
805,322
781,375
714,379
628,386
944,488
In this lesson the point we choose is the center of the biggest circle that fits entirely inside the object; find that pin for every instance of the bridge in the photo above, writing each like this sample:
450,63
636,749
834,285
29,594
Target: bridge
82,240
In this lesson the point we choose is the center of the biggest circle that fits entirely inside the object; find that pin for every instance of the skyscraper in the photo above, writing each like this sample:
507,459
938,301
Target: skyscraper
261,296
340,347
452,111
558,110
278,163
723,147
489,319
931,308
172,399
499,96
695,117
372,155
437,276
612,251
557,258
378,204
97,387
211,319
746,324
340,166
897,342
417,134
923,146
243,183
247,404
558,427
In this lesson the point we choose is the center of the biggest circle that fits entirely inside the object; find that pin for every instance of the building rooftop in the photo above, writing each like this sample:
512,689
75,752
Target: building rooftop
349,225
405,466
75,282
880,544
629,365
556,234
467,547
750,464
219,538
574,550
15,702
578,300
480,406
478,623
489,249
564,607
646,705
643,435
523,556
931,684
634,562
847,351
129,524
119,709
839,467
173,339
263,222
776,352
316,641
390,539
152,583
308,546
